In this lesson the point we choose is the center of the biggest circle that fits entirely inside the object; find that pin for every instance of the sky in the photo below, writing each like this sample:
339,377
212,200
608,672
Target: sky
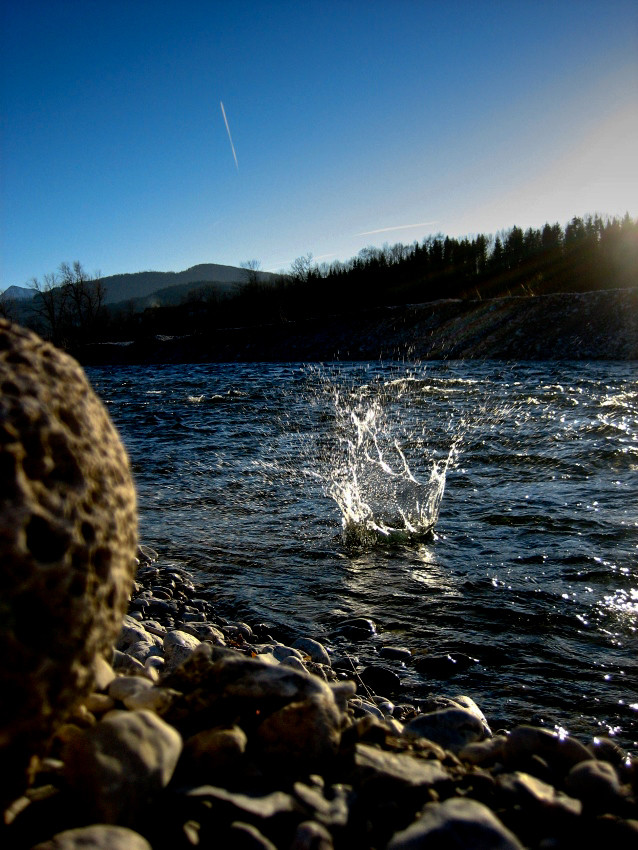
344,124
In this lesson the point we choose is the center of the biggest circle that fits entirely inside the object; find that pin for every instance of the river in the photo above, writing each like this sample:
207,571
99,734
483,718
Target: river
482,508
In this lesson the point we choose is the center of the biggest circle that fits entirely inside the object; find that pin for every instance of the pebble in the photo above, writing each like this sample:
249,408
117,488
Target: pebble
97,837
214,754
125,663
311,835
451,728
380,679
118,766
99,703
312,648
443,666
283,653
394,772
178,646
125,686
560,752
458,823
398,653
545,798
357,629
595,783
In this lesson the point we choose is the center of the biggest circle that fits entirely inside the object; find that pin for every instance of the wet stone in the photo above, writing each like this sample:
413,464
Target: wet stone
605,750
451,728
380,679
357,629
443,666
397,653
347,663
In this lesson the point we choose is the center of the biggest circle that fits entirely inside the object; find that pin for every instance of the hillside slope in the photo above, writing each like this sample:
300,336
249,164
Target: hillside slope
123,287
582,326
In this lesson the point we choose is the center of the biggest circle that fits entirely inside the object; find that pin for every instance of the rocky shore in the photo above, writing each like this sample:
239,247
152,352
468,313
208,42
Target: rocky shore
564,326
207,732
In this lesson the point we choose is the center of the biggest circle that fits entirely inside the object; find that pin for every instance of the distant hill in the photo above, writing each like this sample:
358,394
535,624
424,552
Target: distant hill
140,290
19,293
126,287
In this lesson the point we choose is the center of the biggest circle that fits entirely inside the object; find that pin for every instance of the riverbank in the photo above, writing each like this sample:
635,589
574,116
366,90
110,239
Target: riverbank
209,731
566,326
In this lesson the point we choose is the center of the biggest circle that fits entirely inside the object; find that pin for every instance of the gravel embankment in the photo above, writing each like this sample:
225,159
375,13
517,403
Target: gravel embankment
206,732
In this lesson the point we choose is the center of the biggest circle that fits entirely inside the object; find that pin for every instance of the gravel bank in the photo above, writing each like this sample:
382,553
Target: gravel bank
206,732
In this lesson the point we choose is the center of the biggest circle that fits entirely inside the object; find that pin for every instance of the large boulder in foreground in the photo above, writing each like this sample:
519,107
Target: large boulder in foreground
68,538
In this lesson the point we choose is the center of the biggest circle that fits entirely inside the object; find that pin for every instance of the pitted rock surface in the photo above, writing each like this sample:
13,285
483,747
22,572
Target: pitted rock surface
68,537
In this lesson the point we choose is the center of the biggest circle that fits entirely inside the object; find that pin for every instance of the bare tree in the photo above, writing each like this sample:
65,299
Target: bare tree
251,268
68,303
84,296
301,267
48,305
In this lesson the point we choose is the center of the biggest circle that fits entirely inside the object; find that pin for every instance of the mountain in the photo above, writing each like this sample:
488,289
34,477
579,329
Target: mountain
126,287
19,293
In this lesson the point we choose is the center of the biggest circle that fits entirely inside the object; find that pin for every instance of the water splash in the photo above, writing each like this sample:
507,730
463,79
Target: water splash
383,495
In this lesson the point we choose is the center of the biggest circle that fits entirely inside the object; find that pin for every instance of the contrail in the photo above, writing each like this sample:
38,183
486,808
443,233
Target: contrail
400,227
230,138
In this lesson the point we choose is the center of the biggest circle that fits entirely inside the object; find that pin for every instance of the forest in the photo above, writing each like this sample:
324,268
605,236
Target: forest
589,253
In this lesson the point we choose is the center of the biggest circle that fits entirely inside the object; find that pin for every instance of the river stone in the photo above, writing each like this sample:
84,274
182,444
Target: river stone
541,797
213,753
311,835
380,679
245,836
178,646
560,752
125,686
315,650
97,837
451,728
68,540
118,766
458,823
283,653
395,773
295,716
397,653
594,782
133,632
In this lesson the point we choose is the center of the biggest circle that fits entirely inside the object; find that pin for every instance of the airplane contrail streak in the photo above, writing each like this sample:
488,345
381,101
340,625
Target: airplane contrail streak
230,138
399,227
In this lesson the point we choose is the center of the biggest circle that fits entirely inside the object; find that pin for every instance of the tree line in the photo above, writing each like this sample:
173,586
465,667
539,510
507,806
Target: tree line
589,253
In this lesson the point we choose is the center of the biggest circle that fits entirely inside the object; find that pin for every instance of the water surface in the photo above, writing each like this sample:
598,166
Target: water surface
303,495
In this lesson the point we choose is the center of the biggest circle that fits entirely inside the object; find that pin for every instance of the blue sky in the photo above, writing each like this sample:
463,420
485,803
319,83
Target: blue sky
346,118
